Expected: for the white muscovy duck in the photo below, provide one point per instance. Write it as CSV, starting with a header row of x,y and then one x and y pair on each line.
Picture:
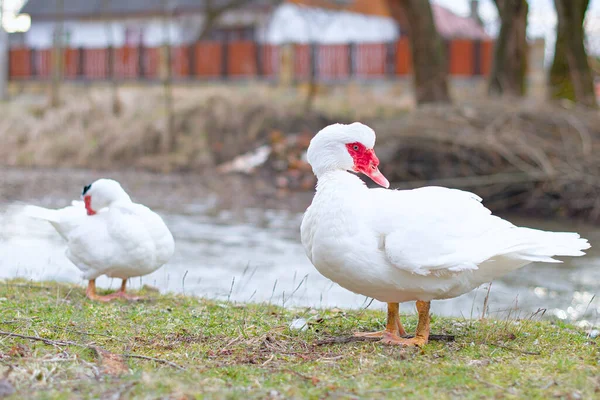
x,y
408,245
108,234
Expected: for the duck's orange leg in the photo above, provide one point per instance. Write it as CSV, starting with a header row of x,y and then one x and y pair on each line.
x,y
393,326
91,293
121,293
421,335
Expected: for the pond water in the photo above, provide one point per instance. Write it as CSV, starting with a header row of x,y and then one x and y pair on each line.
x,y
246,253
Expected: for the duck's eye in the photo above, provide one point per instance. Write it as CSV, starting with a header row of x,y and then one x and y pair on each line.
x,y
355,147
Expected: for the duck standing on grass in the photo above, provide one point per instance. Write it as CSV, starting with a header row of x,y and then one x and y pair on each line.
x,y
108,234
408,245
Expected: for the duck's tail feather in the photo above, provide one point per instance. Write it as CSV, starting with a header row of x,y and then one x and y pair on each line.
x,y
542,246
42,213
64,220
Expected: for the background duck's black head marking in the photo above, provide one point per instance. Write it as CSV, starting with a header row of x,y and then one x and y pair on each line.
x,y
86,189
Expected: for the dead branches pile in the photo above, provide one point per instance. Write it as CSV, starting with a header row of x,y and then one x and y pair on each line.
x,y
540,159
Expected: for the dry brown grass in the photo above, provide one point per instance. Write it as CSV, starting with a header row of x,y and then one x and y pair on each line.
x,y
212,124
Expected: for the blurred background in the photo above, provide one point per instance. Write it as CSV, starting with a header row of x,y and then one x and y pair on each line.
x,y
203,109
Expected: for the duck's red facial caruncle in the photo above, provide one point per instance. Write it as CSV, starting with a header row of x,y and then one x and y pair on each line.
x,y
366,162
88,205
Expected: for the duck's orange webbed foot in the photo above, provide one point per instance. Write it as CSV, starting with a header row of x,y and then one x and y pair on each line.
x,y
395,340
394,330
393,327
120,294
421,336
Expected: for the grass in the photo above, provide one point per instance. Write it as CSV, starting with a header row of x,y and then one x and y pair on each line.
x,y
198,348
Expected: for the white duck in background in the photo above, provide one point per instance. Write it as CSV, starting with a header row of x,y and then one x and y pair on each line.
x,y
408,245
108,234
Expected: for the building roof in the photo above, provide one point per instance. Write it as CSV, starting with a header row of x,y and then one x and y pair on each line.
x,y
48,10
451,25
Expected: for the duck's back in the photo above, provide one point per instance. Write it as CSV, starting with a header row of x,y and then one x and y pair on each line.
x,y
420,244
122,242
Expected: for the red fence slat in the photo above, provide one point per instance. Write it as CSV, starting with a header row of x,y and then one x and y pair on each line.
x,y
71,60
19,63
245,59
487,54
126,62
333,62
208,59
43,63
151,62
403,57
180,61
270,60
461,57
241,58
370,59
95,63
302,61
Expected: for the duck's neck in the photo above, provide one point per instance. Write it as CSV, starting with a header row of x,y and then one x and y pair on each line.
x,y
119,198
339,185
339,195
339,178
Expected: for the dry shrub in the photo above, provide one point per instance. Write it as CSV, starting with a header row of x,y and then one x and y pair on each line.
x,y
211,125
539,158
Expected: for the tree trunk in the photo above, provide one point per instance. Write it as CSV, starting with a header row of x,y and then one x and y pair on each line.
x,y
110,38
510,51
570,74
57,56
430,65
168,139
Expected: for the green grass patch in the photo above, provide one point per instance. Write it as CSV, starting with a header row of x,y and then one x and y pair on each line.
x,y
175,346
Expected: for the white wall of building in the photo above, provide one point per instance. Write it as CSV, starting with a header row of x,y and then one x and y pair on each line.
x,y
94,34
289,23
298,24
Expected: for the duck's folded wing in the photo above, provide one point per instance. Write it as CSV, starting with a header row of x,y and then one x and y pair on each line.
x,y
434,228
110,241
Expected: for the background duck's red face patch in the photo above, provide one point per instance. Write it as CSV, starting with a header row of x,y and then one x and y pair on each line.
x,y
366,162
88,205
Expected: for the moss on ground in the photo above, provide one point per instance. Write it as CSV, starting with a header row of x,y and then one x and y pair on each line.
x,y
199,348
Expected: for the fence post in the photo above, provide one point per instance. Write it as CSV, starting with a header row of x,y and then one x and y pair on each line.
x,y
141,59
286,67
314,62
33,70
390,58
351,59
80,62
192,60
448,50
110,62
477,70
224,59
258,48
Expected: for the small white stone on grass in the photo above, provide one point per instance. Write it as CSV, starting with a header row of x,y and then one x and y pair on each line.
x,y
299,324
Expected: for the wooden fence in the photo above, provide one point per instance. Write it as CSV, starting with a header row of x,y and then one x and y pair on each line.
x,y
245,59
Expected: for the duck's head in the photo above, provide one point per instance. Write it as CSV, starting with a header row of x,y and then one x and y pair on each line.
x,y
340,147
102,193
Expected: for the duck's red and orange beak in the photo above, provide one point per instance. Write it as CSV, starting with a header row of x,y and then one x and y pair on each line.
x,y
378,177
370,169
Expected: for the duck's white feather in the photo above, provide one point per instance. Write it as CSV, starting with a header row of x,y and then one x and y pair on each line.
x,y
121,241
421,244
